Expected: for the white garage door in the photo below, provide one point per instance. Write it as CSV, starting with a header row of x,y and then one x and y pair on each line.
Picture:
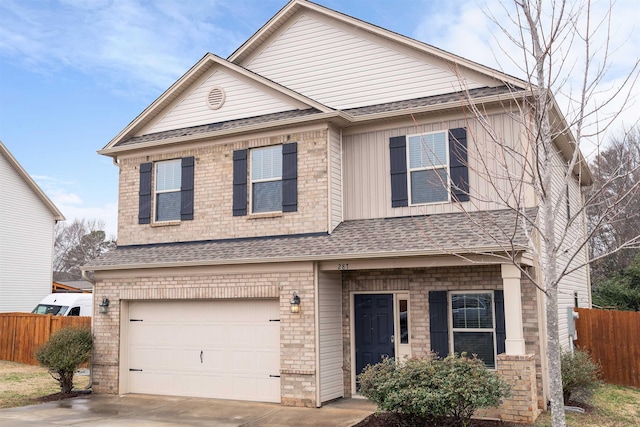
x,y
218,349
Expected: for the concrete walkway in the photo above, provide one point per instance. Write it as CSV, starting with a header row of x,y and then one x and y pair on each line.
x,y
168,411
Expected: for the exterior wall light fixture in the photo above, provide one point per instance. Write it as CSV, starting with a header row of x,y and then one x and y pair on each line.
x,y
104,305
295,303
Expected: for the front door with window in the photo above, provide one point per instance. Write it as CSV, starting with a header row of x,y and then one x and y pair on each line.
x,y
374,333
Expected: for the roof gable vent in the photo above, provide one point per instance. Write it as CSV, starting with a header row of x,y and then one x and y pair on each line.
x,y
216,97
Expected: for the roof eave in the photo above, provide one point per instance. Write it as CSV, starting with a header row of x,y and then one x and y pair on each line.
x,y
57,215
300,258
333,116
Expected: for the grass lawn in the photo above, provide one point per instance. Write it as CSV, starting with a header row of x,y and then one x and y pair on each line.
x,y
613,406
20,384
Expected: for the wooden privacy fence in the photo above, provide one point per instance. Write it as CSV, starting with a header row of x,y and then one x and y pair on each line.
x,y
22,333
613,339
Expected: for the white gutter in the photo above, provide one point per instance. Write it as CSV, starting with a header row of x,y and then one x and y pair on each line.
x,y
316,296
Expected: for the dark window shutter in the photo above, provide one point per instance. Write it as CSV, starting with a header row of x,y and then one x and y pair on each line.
x,y
501,331
239,182
398,158
186,190
438,322
144,195
458,166
290,177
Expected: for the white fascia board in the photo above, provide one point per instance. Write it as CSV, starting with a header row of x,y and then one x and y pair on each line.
x,y
361,256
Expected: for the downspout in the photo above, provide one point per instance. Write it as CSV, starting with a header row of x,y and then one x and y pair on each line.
x,y
317,331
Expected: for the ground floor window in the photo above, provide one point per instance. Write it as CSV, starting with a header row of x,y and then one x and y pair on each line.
x,y
473,325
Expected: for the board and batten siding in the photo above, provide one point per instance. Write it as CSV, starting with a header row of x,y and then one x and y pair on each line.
x,y
577,281
330,332
342,69
366,168
242,100
26,243
335,178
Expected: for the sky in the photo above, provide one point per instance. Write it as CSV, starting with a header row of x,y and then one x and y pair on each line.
x,y
74,73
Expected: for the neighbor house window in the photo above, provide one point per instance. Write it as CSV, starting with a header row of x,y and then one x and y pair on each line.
x,y
473,325
266,179
428,168
167,190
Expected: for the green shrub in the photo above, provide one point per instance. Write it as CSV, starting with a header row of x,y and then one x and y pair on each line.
x,y
432,389
66,349
580,376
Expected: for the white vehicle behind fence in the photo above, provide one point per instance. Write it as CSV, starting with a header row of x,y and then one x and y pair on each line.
x,y
70,304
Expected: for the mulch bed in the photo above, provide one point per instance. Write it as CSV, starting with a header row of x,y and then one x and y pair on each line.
x,y
386,419
55,397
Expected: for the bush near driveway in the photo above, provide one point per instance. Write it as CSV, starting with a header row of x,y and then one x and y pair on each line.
x,y
431,389
65,351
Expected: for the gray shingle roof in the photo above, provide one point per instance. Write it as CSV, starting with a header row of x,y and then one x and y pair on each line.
x,y
434,234
356,112
432,100
230,124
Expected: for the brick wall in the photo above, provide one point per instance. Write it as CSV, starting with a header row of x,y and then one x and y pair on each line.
x,y
419,282
297,356
213,189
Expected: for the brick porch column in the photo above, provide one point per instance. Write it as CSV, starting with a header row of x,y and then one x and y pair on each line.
x,y
514,344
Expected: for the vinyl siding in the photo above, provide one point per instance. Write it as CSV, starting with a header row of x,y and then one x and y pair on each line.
x,y
242,100
26,243
335,178
330,329
577,281
366,168
342,69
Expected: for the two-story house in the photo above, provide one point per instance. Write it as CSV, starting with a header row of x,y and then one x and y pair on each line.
x,y
27,222
320,199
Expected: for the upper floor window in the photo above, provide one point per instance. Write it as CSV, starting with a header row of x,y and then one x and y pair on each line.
x,y
168,184
166,188
266,179
428,168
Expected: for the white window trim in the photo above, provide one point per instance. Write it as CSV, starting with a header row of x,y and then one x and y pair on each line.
x,y
446,167
493,319
156,192
257,181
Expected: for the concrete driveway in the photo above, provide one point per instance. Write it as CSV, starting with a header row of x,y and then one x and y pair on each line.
x,y
167,411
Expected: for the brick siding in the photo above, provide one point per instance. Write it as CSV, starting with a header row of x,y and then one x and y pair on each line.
x,y
297,351
213,187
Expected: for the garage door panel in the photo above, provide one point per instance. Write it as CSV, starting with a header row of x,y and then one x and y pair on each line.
x,y
221,349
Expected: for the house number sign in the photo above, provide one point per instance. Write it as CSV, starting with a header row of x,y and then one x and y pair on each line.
x,y
343,266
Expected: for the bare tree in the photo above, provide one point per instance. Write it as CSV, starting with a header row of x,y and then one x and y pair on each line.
x,y
542,160
619,166
76,244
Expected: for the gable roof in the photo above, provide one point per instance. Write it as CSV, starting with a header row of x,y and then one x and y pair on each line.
x,y
292,8
482,232
207,63
4,151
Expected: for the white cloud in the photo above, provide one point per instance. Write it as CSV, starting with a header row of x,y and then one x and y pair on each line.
x,y
73,206
143,46
468,29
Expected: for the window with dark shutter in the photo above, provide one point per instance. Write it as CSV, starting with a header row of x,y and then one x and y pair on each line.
x,y
458,164
144,195
398,160
186,205
501,330
240,182
438,322
290,177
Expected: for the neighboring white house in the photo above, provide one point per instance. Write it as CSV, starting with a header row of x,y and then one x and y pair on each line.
x,y
27,222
